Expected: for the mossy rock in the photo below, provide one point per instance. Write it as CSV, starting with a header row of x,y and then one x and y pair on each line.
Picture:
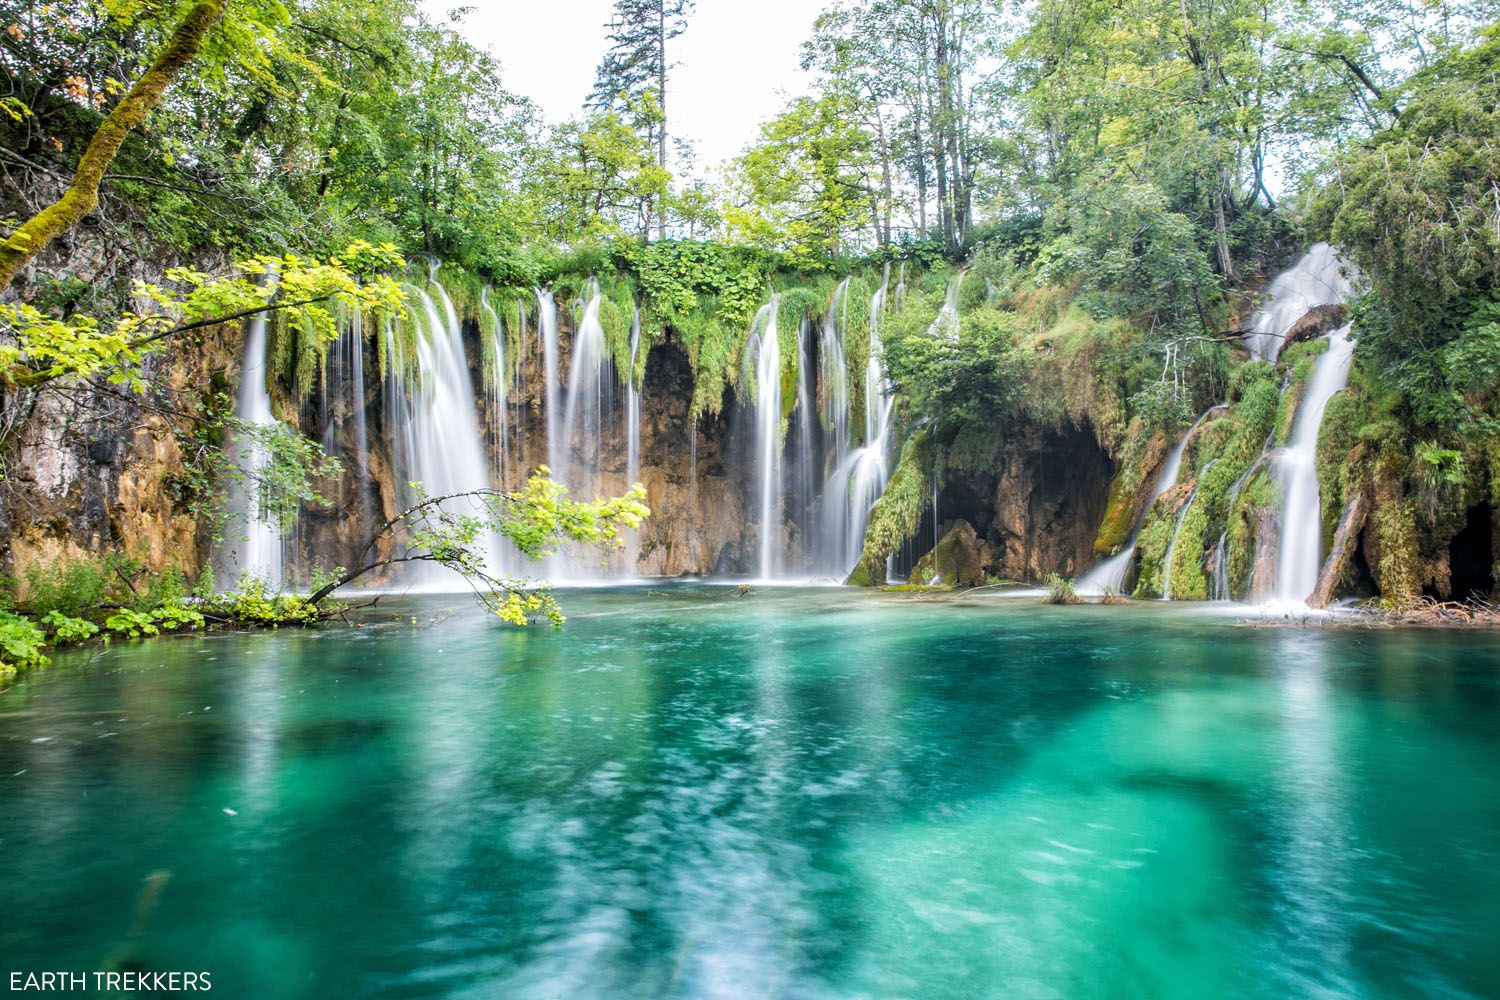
x,y
1126,494
956,560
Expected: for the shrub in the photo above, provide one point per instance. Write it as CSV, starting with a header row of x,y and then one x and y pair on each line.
x,y
1060,590
21,644
67,629
70,587
133,623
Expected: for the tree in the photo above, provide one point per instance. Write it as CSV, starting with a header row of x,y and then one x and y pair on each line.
x,y
45,349
82,194
805,186
598,180
633,74
917,61
1416,210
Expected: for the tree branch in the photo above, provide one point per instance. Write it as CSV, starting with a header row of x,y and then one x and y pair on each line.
x,y
82,194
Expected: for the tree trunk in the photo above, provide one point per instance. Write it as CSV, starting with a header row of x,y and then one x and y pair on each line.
x,y
661,134
82,194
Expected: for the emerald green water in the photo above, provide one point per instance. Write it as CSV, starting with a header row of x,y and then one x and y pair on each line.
x,y
794,794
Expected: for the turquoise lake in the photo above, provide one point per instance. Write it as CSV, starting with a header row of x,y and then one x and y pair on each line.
x,y
795,793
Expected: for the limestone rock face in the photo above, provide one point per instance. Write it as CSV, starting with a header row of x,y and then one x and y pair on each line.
x,y
958,560
93,473
1267,528
1041,508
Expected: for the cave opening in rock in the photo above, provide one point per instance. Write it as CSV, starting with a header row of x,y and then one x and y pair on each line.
x,y
1471,555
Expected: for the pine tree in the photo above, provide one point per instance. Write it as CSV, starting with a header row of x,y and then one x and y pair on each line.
x,y
633,73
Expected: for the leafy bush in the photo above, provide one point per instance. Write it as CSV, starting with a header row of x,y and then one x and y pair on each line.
x,y
174,616
67,629
21,644
132,623
253,602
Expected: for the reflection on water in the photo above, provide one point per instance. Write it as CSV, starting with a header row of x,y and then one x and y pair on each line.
x,y
809,794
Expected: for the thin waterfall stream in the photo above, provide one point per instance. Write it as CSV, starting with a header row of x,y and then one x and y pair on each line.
x,y
1302,525
256,552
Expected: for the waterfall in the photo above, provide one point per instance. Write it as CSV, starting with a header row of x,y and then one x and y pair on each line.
x,y
763,356
833,371
346,367
1301,522
1314,280
499,394
1219,578
582,428
431,407
547,322
946,324
258,552
861,474
633,437
805,465
1109,576
633,407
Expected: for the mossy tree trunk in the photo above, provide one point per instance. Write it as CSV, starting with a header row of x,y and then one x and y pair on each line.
x,y
82,194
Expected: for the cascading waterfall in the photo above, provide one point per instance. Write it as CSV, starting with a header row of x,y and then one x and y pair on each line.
x,y
633,436
633,406
346,367
546,306
833,371
1316,279
804,423
860,475
583,414
257,552
1109,576
947,323
763,356
435,425
499,393
578,455
1301,552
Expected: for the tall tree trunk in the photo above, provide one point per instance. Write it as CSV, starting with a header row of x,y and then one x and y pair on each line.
x,y
661,135
1221,232
82,194
883,229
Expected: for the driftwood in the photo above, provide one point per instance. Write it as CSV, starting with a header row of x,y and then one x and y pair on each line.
x,y
1351,523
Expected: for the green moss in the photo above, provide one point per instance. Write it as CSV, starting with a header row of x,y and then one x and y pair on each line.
x,y
465,289
1259,491
1077,367
1224,451
1121,512
1151,549
1189,573
1397,569
714,350
898,513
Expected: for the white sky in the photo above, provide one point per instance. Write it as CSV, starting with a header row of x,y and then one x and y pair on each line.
x,y
736,61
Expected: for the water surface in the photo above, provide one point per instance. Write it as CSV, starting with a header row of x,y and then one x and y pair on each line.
x,y
791,794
